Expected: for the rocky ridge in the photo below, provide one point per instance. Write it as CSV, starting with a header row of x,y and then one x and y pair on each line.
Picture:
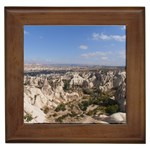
x,y
76,97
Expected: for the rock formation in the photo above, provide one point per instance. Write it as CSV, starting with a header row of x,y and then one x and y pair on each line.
x,y
93,96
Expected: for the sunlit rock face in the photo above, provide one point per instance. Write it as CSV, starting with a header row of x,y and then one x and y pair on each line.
x,y
76,96
114,118
120,94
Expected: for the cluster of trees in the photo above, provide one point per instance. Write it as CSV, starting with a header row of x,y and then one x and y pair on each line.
x,y
102,100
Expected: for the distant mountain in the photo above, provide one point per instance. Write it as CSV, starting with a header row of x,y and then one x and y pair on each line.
x,y
74,65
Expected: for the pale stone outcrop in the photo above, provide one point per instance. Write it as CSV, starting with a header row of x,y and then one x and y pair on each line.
x,y
120,96
76,80
116,118
36,114
44,93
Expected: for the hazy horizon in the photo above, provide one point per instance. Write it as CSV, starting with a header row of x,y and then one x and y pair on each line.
x,y
83,45
77,64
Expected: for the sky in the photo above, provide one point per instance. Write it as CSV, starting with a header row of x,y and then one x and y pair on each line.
x,y
89,45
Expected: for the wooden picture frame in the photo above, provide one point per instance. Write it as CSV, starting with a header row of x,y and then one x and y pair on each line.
x,y
17,131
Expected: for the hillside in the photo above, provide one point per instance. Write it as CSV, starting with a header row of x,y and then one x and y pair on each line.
x,y
74,94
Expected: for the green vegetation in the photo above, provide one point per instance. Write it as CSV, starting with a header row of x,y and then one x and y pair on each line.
x,y
112,109
60,119
28,117
98,110
45,109
87,91
102,100
84,104
66,85
60,107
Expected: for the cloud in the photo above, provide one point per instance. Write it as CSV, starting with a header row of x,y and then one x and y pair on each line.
x,y
26,32
96,54
123,27
84,47
102,36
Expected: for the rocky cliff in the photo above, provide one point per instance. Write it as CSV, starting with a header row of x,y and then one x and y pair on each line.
x,y
75,97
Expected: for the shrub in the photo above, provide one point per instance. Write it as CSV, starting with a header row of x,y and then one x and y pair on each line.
x,y
45,109
83,105
109,102
112,109
60,107
85,97
66,85
54,115
87,91
60,119
28,117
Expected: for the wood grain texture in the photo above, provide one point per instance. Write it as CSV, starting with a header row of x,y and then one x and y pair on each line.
x,y
17,131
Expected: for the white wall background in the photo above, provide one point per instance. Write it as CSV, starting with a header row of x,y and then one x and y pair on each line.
x,y
68,3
